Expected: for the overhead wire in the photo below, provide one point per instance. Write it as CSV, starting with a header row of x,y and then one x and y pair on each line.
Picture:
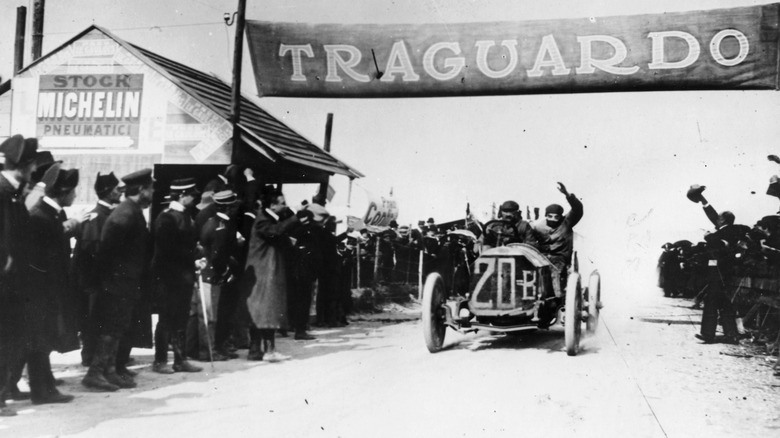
x,y
148,27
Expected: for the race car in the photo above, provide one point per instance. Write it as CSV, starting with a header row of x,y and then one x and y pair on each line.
x,y
511,289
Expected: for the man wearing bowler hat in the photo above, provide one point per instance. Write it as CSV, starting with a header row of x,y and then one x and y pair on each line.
x,y
173,270
721,244
51,300
19,163
36,187
86,261
124,254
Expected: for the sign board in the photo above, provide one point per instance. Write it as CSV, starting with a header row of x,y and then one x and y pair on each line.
x,y
733,48
95,96
76,108
381,211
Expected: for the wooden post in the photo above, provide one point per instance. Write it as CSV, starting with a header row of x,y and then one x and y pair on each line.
x,y
358,262
328,130
21,25
420,275
37,28
376,259
238,51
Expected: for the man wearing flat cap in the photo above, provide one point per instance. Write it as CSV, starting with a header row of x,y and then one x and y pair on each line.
x,y
173,271
125,253
720,250
14,230
87,269
509,228
51,300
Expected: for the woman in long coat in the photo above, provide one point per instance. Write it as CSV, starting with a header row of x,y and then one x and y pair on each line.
x,y
266,276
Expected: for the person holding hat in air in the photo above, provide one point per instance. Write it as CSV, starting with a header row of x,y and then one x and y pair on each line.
x,y
265,279
173,266
19,163
86,263
51,300
124,254
509,228
721,244
556,231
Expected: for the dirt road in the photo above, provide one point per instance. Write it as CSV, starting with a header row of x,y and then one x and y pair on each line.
x,y
641,375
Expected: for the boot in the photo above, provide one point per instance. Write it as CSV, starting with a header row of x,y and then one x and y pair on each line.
x,y
110,370
180,363
95,378
123,358
255,352
6,411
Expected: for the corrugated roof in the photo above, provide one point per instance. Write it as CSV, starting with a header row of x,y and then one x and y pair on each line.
x,y
279,140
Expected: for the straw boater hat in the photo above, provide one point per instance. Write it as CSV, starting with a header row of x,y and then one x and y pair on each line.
x,y
225,197
184,186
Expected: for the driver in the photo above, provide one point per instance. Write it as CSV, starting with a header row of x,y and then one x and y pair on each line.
x,y
510,228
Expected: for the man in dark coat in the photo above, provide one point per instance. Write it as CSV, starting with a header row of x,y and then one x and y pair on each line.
x,y
265,279
221,249
51,301
510,228
87,266
306,264
720,250
124,253
20,157
173,270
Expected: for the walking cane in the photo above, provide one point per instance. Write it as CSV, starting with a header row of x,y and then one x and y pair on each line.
x,y
205,318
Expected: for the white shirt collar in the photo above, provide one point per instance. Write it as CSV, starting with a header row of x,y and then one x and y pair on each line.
x,y
53,203
176,206
223,216
107,205
11,178
272,214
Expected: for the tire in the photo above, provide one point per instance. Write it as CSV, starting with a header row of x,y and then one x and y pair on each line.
x,y
433,312
594,301
572,324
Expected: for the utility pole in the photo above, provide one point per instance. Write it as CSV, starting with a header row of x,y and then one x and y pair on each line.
x,y
328,130
238,51
37,29
21,26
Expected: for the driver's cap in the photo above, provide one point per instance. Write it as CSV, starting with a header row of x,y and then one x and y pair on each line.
x,y
510,206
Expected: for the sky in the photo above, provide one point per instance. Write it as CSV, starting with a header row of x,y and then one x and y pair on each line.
x,y
630,157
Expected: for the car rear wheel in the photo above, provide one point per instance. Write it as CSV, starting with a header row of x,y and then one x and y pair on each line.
x,y
573,315
594,301
433,316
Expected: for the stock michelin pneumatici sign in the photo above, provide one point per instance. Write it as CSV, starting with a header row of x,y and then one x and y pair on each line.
x,y
718,49
99,98
89,106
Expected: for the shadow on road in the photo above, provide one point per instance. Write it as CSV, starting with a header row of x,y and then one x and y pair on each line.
x,y
551,340
91,408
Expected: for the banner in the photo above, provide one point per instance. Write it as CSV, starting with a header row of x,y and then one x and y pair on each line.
x,y
89,110
717,49
381,211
